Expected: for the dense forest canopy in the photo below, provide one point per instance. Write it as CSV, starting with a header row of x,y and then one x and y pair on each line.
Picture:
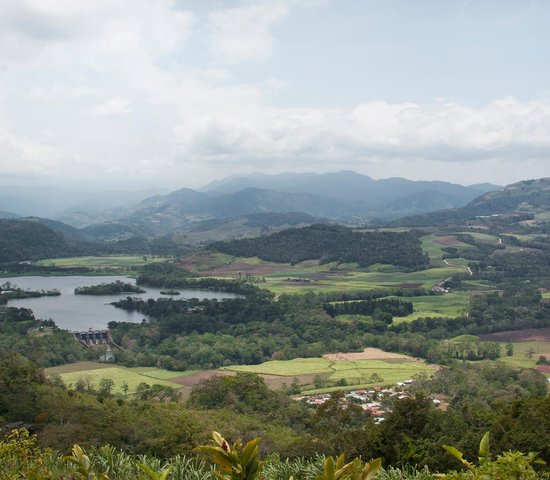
x,y
330,243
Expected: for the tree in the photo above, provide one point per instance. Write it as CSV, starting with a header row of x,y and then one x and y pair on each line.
x,y
105,386
509,349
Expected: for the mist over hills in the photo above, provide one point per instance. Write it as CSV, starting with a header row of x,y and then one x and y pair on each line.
x,y
343,197
183,218
79,204
346,197
529,199
346,185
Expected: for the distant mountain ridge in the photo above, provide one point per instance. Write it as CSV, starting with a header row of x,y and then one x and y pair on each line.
x,y
343,196
529,197
346,185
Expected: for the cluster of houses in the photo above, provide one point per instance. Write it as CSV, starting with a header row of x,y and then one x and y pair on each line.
x,y
375,400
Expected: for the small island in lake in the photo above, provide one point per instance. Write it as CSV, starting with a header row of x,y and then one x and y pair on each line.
x,y
113,288
10,291
169,292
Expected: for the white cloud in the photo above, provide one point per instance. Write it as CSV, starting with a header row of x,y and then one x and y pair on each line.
x,y
244,33
107,58
113,106
446,132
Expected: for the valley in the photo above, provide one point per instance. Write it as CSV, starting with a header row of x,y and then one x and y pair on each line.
x,y
295,309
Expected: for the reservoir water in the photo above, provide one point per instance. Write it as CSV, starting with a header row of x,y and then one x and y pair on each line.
x,y
80,312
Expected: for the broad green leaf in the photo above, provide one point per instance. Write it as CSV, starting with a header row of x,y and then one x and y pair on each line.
x,y
484,449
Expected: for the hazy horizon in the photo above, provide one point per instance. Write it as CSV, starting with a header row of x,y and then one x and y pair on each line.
x,y
177,93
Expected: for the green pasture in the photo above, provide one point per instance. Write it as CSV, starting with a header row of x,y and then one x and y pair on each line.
x,y
447,305
434,250
297,366
482,237
430,247
522,237
283,278
391,373
357,373
477,285
121,261
459,261
94,372
355,281
545,295
525,354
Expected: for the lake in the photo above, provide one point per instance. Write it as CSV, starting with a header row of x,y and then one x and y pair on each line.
x,y
80,312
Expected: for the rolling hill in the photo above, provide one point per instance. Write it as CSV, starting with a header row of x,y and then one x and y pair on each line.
x,y
523,200
345,197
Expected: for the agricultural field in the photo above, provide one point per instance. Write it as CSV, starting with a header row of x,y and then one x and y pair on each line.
x,y
93,372
448,305
528,346
433,245
482,237
354,370
310,275
120,261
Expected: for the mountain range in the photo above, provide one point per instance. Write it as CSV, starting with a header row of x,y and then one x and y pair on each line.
x,y
183,218
344,197
529,199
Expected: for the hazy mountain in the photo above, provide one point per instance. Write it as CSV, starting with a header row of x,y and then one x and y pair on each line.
x,y
531,197
65,201
348,186
342,196
184,209
247,226
8,215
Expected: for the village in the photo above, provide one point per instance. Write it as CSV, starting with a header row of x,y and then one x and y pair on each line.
x,y
376,400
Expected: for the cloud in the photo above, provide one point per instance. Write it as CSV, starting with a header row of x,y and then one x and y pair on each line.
x,y
113,106
192,117
505,128
244,33
89,33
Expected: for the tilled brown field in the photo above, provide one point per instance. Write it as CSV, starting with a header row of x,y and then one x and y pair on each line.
x,y
194,379
366,354
527,335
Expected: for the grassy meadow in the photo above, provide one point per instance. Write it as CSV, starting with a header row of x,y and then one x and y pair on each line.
x,y
310,275
356,373
448,305
120,261
93,372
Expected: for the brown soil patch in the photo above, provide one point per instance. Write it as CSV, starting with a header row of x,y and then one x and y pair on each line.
x,y
448,240
276,382
366,354
243,267
527,335
191,380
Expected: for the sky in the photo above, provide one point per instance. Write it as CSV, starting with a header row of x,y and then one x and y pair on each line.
x,y
174,93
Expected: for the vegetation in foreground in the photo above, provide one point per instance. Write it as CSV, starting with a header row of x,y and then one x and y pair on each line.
x,y
20,457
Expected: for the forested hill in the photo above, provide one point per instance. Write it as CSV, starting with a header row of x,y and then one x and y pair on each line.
x,y
29,240
331,243
34,239
529,197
